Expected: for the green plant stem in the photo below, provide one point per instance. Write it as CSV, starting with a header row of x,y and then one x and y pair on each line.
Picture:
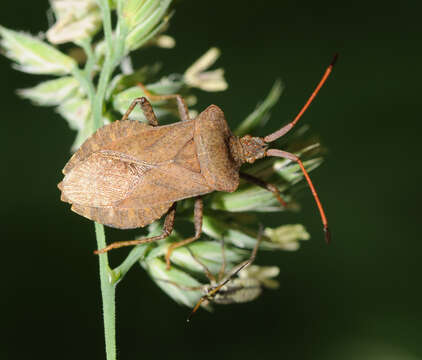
x,y
97,111
91,58
86,84
108,291
115,50
106,278
106,274
106,16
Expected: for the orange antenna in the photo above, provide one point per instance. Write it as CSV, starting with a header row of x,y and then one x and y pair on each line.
x,y
201,300
287,155
279,133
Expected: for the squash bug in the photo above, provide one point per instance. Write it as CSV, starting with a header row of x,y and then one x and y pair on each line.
x,y
129,174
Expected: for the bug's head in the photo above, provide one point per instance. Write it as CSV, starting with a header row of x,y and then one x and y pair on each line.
x,y
253,148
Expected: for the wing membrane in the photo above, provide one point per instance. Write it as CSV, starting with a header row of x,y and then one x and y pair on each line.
x,y
128,174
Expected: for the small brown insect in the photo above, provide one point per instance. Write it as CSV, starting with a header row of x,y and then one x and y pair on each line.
x,y
129,174
225,288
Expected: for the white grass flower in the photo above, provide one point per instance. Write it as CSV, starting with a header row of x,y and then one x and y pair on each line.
x,y
51,92
287,236
75,8
263,274
165,42
195,76
33,55
76,111
72,29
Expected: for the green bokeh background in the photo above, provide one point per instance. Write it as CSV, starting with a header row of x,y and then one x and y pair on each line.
x,y
358,298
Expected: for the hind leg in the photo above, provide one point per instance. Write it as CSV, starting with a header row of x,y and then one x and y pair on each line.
x,y
198,214
146,108
167,229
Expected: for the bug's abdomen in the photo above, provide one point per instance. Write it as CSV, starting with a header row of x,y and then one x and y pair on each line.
x,y
238,291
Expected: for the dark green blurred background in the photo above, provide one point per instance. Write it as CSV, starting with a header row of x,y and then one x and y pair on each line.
x,y
358,298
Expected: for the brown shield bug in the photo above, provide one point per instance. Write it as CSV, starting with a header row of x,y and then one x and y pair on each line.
x,y
129,174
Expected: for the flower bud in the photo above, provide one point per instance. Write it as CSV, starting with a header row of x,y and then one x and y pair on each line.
x,y
143,20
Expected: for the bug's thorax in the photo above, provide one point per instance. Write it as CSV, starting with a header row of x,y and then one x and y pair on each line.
x,y
247,148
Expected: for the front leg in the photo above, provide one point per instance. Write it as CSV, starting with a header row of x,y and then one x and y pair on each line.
x,y
146,108
267,186
181,104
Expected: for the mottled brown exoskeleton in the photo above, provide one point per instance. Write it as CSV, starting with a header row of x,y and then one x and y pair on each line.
x,y
129,174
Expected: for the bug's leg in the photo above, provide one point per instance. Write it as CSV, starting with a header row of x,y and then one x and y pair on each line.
x,y
198,214
181,105
180,286
245,263
270,187
146,108
207,271
167,229
223,261
293,157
